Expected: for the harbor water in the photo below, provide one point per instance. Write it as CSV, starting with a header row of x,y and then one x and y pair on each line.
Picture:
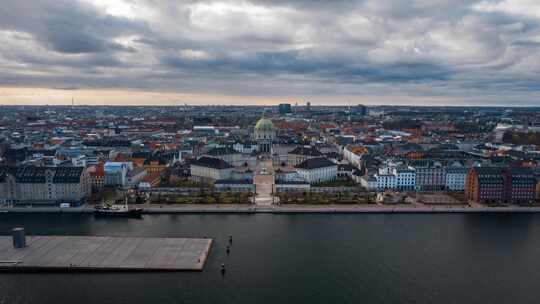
x,y
304,258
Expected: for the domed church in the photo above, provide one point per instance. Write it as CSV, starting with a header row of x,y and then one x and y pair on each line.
x,y
264,134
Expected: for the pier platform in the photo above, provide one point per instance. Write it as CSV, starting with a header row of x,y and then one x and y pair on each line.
x,y
96,253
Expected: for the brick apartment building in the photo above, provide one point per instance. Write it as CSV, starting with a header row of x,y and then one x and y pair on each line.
x,y
500,185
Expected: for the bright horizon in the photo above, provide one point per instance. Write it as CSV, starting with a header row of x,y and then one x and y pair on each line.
x,y
117,97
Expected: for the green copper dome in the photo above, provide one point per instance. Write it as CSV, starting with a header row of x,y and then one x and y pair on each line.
x,y
264,124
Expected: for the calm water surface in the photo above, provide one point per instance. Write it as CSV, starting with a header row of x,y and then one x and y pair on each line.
x,y
368,258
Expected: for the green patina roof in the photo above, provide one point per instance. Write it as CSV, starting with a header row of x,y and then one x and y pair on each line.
x,y
264,124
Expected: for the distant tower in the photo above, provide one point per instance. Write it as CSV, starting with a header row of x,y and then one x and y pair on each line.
x,y
72,103
284,108
361,110
349,111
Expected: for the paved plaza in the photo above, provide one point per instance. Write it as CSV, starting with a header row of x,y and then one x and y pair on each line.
x,y
264,182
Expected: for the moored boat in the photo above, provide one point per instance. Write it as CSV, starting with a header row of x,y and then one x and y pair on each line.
x,y
108,210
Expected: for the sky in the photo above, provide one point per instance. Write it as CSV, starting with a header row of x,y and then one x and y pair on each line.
x,y
425,52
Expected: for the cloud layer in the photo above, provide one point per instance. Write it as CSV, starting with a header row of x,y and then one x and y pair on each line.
x,y
486,51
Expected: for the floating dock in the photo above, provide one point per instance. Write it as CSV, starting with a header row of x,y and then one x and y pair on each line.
x,y
95,253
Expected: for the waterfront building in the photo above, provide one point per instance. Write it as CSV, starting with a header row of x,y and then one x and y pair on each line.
x,y
395,176
430,178
405,178
485,184
317,170
500,185
44,185
386,181
209,169
97,176
455,178
520,185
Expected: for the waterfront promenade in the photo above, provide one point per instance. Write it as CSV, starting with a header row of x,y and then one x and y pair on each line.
x,y
283,209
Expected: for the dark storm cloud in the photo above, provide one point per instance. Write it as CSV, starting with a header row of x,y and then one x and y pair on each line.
x,y
275,63
272,47
66,26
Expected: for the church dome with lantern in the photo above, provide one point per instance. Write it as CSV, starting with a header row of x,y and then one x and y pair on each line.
x,y
264,134
264,124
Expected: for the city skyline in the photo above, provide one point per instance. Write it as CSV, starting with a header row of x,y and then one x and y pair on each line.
x,y
267,52
269,151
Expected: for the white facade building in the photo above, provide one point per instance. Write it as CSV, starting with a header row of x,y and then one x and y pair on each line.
x,y
44,185
317,170
386,181
231,156
116,173
209,169
396,177
406,178
455,178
